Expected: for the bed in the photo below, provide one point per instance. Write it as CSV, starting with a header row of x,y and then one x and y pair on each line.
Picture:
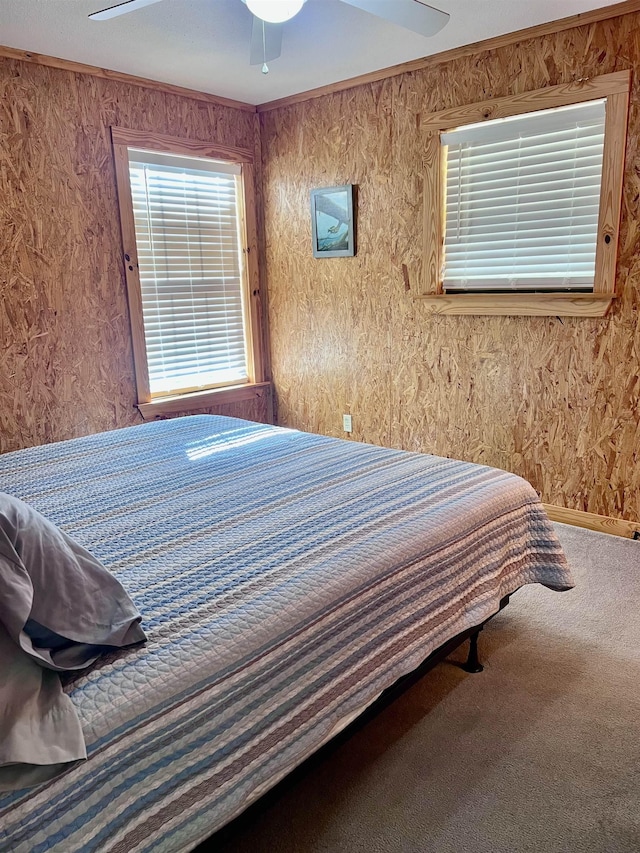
x,y
285,580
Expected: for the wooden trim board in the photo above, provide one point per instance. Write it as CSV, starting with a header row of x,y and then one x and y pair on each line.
x,y
592,521
617,83
121,77
178,145
517,304
132,277
613,160
580,20
203,400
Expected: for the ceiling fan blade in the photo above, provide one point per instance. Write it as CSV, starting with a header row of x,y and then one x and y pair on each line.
x,y
266,44
411,14
120,9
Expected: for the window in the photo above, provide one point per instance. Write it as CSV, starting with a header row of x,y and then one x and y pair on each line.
x,y
522,207
522,200
186,233
189,259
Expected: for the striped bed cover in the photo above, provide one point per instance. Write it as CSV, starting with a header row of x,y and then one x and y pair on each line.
x,y
284,580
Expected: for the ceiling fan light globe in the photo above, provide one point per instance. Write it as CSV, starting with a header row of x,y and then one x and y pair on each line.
x,y
275,11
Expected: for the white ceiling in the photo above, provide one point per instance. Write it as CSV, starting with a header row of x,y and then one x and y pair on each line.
x,y
204,44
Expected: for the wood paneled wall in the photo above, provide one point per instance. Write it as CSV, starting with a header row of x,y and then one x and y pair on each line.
x,y
554,400
66,364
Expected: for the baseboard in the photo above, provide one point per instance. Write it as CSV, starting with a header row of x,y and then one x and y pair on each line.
x,y
601,523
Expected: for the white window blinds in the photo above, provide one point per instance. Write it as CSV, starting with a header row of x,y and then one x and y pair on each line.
x,y
189,255
522,201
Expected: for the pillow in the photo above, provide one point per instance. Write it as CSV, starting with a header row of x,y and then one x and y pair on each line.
x,y
59,609
57,602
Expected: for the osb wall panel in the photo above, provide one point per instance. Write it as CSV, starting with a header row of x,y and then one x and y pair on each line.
x,y
66,364
554,400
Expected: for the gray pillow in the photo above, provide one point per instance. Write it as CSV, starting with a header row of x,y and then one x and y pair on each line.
x,y
59,609
57,602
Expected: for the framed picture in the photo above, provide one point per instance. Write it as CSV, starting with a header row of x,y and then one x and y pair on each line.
x,y
332,222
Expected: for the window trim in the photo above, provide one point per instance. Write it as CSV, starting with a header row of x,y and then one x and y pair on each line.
x,y
196,400
123,139
615,88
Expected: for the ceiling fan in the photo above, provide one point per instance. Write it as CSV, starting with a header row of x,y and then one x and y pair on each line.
x,y
269,17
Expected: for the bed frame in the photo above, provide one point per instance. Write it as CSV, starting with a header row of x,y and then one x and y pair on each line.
x,y
471,665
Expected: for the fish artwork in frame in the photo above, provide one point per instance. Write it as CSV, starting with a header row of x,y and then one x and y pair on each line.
x,y
332,222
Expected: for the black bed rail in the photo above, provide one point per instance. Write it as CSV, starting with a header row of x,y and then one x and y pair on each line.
x,y
472,665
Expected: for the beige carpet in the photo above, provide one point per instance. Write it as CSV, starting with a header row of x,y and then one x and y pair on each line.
x,y
539,753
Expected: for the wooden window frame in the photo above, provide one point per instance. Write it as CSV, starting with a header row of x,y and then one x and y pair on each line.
x,y
123,139
615,88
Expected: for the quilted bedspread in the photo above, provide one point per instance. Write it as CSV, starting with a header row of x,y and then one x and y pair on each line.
x,y
284,581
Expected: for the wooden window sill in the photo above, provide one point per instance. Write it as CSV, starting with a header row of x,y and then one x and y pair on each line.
x,y
520,304
202,399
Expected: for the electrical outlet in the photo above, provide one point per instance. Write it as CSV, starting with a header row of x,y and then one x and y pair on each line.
x,y
346,423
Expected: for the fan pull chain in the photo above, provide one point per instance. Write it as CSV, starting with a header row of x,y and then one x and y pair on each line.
x,y
265,67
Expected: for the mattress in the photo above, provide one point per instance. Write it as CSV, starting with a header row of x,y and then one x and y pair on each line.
x,y
284,580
